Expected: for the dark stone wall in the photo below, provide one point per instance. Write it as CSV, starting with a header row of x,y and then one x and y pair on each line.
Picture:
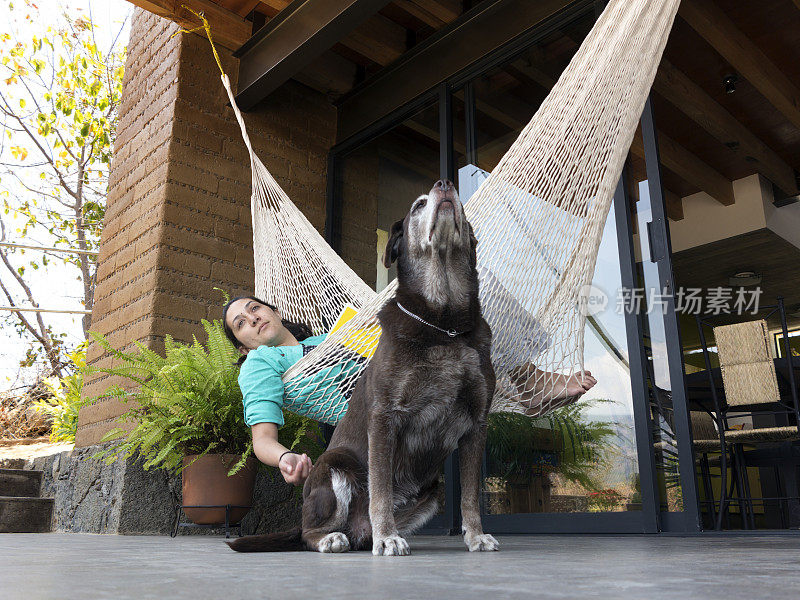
x,y
121,497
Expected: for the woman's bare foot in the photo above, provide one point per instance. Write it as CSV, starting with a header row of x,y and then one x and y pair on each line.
x,y
538,390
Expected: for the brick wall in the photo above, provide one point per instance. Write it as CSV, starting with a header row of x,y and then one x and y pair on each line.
x,y
178,217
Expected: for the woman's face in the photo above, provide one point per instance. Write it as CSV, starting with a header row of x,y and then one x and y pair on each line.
x,y
255,324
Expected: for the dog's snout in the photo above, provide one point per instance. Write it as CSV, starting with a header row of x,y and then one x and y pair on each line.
x,y
443,185
442,189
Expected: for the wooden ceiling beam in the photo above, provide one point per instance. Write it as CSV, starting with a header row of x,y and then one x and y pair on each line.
x,y
278,5
534,74
491,111
689,167
228,28
714,26
378,39
674,204
432,134
330,74
422,14
446,11
502,107
243,7
690,98
420,159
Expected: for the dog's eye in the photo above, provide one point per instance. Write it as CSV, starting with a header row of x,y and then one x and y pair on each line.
x,y
420,203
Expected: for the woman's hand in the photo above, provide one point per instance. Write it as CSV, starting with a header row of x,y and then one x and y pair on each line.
x,y
295,467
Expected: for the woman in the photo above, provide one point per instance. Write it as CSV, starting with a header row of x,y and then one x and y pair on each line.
x,y
270,345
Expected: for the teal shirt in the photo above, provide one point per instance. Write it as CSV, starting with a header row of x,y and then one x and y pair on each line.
x,y
321,396
260,380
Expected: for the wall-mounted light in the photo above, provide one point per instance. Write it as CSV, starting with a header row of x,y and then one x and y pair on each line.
x,y
744,279
729,81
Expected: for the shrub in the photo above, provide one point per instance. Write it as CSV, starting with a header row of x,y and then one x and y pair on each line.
x,y
63,406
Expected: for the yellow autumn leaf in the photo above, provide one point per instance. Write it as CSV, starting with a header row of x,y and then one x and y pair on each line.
x,y
19,152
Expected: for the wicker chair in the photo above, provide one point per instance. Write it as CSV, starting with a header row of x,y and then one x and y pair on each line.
x,y
750,382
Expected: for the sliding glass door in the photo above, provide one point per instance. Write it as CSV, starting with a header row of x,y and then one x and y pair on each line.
x,y
619,460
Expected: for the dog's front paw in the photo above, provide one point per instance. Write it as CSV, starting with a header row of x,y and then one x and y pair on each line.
x,y
482,542
334,542
391,545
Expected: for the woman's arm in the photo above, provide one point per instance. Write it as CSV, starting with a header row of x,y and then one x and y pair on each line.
x,y
267,448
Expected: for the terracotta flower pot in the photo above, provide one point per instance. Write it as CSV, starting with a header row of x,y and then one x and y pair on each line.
x,y
206,482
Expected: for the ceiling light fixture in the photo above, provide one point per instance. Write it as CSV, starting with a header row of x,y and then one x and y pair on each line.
x,y
729,81
744,279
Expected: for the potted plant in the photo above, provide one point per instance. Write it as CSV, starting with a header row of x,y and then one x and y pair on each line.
x,y
564,442
186,416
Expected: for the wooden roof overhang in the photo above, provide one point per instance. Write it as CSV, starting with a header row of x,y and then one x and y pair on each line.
x,y
371,57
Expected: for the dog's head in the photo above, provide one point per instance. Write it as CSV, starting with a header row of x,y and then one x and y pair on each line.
x,y
435,224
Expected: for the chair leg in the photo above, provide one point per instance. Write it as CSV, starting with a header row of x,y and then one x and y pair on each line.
x,y
729,501
748,495
727,493
733,489
740,500
705,473
723,497
783,506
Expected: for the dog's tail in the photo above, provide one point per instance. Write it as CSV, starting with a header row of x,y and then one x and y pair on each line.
x,y
283,541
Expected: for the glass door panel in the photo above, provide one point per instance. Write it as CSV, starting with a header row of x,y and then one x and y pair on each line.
x,y
580,458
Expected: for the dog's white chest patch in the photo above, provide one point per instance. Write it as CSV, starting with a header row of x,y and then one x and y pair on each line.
x,y
343,492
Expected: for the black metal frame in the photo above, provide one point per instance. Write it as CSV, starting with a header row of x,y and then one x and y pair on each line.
x,y
721,417
637,360
296,36
480,36
661,247
227,524
649,520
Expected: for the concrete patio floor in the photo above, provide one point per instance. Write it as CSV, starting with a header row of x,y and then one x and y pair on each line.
x,y
85,566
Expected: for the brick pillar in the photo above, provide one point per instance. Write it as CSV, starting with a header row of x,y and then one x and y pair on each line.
x,y
178,217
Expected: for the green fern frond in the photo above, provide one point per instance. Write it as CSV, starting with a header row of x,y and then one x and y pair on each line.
x,y
187,402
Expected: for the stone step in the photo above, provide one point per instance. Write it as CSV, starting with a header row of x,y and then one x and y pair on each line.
x,y
25,515
12,463
20,483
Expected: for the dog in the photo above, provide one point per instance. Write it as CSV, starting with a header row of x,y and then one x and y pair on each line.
x,y
426,392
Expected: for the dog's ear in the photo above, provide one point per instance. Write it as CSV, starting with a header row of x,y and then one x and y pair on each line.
x,y
393,245
473,243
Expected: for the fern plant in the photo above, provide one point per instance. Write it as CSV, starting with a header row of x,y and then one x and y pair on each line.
x,y
187,402
514,443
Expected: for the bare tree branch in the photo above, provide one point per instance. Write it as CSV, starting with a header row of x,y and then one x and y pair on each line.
x,y
46,156
42,335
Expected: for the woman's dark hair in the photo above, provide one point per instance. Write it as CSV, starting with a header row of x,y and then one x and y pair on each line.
x,y
300,331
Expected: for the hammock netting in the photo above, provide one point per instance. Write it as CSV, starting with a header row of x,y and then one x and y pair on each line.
x,y
538,218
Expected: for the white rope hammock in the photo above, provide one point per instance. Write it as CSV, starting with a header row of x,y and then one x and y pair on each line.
x,y
538,218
